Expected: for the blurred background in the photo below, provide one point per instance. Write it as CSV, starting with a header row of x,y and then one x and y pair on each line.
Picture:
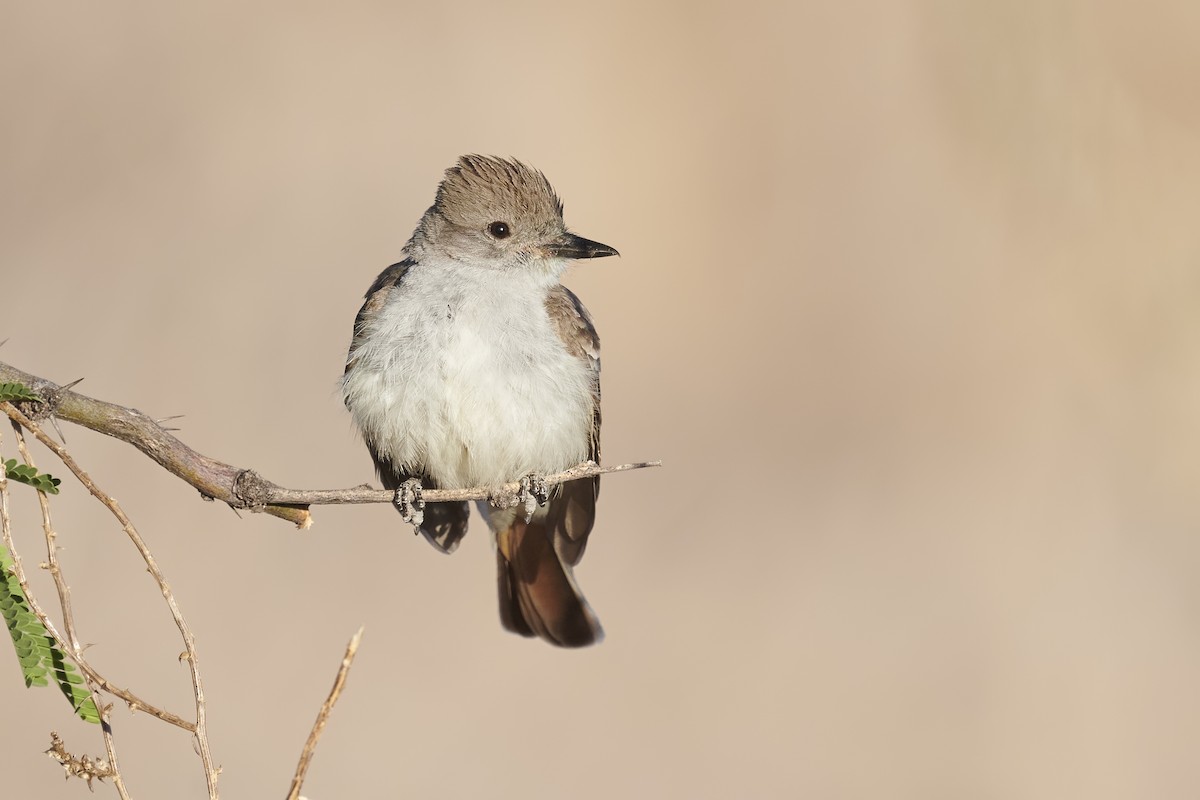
x,y
906,304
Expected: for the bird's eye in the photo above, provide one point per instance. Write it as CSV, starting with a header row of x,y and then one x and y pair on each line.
x,y
500,230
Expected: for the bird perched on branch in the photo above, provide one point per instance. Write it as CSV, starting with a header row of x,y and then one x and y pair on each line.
x,y
472,366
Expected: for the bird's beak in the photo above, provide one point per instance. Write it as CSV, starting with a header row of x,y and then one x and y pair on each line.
x,y
571,246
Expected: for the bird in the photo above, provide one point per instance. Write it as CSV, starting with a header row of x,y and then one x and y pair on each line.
x,y
471,365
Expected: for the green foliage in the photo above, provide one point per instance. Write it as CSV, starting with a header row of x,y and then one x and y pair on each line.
x,y
16,391
41,659
42,481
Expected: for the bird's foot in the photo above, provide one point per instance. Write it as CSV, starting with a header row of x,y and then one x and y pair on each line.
x,y
409,502
534,492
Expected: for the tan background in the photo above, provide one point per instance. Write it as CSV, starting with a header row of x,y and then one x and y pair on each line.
x,y
907,304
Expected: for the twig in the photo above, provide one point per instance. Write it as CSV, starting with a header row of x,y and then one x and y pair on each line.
x,y
366,494
239,488
323,716
200,728
110,744
133,701
211,477
113,768
64,592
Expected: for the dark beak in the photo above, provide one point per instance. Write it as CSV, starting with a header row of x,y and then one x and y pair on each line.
x,y
571,246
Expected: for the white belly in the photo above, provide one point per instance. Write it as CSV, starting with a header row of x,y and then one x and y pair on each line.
x,y
473,388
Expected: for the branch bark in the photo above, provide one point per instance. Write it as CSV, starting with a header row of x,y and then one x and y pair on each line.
x,y
238,487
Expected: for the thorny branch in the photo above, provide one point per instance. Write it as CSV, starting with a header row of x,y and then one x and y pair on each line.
x,y
237,487
199,728
133,701
242,488
81,768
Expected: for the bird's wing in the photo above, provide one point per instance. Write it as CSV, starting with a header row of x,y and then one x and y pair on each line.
x,y
376,296
573,508
445,523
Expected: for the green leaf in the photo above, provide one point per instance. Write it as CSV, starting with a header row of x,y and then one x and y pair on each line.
x,y
37,652
16,391
23,473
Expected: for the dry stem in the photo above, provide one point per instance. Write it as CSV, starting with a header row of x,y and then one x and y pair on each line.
x,y
310,746
241,488
113,768
199,728
133,701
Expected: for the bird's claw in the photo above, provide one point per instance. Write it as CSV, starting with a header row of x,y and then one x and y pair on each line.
x,y
534,492
410,503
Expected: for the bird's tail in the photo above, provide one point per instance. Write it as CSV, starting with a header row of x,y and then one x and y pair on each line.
x,y
538,593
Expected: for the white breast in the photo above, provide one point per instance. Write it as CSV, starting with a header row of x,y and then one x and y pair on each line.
x,y
463,377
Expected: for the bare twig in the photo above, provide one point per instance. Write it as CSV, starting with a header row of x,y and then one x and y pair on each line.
x,y
200,728
241,488
310,746
366,494
64,592
112,767
211,477
134,702
110,745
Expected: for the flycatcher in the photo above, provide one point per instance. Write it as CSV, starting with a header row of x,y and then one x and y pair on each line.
x,y
472,366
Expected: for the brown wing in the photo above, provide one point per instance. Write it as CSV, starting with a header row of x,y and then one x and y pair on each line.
x,y
376,296
445,523
573,508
